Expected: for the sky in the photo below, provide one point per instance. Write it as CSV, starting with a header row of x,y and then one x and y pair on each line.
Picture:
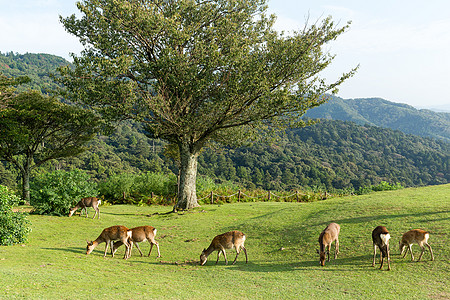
x,y
401,46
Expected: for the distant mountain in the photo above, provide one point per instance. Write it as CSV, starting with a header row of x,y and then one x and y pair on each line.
x,y
383,113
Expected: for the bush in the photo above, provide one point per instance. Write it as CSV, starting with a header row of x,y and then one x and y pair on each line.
x,y
115,187
382,186
138,189
14,227
56,192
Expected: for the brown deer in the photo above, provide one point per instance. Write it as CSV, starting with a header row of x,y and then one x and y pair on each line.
x,y
380,238
229,240
140,234
326,238
84,204
418,236
108,236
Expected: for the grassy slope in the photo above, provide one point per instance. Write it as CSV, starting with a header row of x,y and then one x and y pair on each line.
x,y
54,265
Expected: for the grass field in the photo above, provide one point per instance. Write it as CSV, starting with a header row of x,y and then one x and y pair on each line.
x,y
281,244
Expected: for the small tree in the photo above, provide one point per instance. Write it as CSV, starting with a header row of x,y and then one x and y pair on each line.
x,y
35,129
14,227
197,72
56,192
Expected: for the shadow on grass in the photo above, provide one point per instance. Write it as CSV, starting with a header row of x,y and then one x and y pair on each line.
x,y
70,249
373,218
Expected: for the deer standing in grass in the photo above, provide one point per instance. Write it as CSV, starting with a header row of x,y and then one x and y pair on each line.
x,y
140,234
380,238
84,204
326,238
108,236
229,240
418,236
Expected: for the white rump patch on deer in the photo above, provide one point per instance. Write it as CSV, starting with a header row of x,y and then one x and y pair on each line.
x,y
385,238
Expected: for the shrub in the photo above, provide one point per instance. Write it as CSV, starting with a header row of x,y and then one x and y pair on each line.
x,y
138,189
382,186
115,187
14,227
56,192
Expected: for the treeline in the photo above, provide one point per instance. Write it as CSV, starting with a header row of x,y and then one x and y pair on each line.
x,y
331,155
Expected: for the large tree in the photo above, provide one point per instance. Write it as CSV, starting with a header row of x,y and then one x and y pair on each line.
x,y
35,128
197,71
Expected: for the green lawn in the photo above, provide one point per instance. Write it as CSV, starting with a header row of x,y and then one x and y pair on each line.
x,y
281,244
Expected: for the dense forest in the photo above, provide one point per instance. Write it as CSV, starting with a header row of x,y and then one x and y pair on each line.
x,y
329,155
332,155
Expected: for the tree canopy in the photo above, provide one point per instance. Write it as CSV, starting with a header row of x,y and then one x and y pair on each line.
x,y
36,128
197,72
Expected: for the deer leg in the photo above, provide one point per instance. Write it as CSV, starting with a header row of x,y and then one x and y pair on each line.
x,y
137,246
410,250
381,259
106,249
85,209
245,252
374,254
157,248
225,255
151,247
421,253
388,258
431,251
218,255
336,250
96,211
328,251
406,252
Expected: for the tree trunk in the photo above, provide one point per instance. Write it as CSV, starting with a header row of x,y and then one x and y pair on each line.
x,y
187,194
26,170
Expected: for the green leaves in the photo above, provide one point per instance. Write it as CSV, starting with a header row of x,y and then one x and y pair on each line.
x,y
194,69
56,192
13,225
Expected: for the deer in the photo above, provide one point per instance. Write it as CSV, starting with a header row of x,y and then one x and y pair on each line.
x,y
140,234
228,240
326,238
418,236
380,238
108,236
84,204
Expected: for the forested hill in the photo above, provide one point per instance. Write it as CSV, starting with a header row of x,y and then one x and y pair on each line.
x,y
332,154
329,155
36,66
383,113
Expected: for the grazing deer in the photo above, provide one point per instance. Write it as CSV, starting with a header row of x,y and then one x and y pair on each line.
x,y
380,238
418,236
228,240
84,204
326,238
108,236
140,234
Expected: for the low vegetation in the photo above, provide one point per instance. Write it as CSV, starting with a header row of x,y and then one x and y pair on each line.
x,y
282,239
